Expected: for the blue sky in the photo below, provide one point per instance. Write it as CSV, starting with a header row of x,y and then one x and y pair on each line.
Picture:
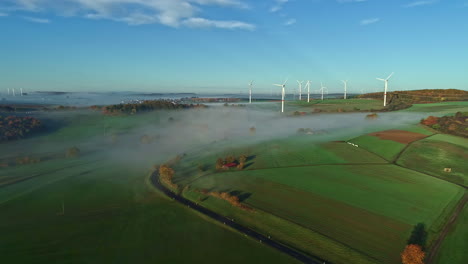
x,y
219,45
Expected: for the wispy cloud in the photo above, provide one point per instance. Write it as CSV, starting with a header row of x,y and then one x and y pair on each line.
x,y
173,13
278,5
202,22
369,21
37,20
290,22
3,14
420,3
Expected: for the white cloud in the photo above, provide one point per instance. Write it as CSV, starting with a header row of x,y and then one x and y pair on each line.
x,y
369,21
290,22
202,22
37,20
420,3
3,14
278,5
173,13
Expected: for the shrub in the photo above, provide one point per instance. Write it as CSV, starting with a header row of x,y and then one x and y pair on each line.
x,y
73,152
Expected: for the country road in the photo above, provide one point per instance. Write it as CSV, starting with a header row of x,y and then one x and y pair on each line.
x,y
242,229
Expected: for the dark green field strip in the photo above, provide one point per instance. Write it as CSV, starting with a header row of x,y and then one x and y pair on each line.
x,y
357,228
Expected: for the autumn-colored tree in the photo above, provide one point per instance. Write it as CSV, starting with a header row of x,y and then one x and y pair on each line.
x,y
73,152
219,163
166,174
242,158
412,254
230,159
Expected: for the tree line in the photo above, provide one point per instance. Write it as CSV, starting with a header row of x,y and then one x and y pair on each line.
x,y
17,127
456,125
146,106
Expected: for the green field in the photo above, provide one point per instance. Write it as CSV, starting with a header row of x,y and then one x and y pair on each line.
x,y
316,193
388,149
111,214
434,154
452,249
345,202
334,105
440,108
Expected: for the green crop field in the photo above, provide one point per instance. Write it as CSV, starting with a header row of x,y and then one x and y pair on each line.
x,y
333,105
294,151
452,249
312,192
111,214
432,156
345,202
462,142
440,108
388,149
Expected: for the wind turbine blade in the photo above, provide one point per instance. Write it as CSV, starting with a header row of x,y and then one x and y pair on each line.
x,y
380,79
388,78
286,81
279,85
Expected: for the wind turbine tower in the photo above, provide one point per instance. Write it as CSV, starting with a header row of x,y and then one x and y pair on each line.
x,y
386,87
250,92
13,91
8,91
283,86
21,89
308,91
300,89
345,87
322,88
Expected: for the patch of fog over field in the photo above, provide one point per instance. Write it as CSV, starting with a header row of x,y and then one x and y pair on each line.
x,y
221,128
217,129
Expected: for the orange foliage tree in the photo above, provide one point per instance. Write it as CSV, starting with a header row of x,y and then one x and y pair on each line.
x,y
412,254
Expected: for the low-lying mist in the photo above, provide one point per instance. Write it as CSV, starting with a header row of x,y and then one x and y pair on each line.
x,y
155,137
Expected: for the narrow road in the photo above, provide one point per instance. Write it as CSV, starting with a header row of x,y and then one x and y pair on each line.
x,y
448,225
245,230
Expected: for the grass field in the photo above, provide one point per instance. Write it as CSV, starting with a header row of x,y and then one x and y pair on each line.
x,y
333,105
439,108
432,155
111,214
452,249
345,202
342,203
387,149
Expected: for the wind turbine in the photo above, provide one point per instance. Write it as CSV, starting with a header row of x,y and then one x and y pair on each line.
x,y
21,89
14,92
250,91
345,87
308,91
386,87
300,89
283,86
8,91
322,88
